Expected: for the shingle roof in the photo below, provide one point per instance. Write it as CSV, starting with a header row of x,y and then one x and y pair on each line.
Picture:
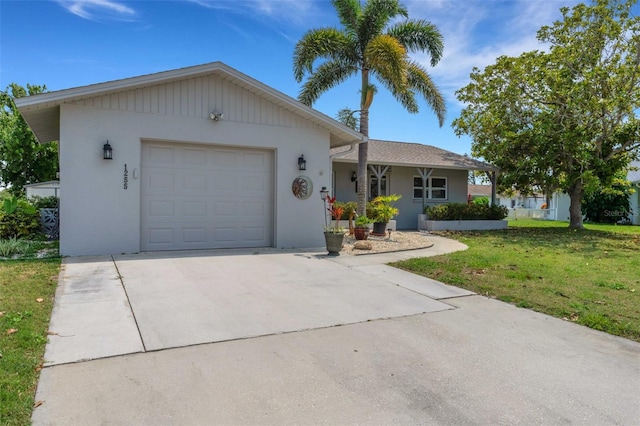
x,y
412,155
634,175
479,190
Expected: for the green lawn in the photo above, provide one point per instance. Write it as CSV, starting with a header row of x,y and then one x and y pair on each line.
x,y
27,288
591,277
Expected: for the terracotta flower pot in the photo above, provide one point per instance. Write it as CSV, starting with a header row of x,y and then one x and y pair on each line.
x,y
361,233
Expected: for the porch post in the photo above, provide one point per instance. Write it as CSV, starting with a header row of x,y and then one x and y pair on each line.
x,y
424,174
376,170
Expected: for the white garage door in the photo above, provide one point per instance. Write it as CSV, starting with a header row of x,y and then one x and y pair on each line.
x,y
199,196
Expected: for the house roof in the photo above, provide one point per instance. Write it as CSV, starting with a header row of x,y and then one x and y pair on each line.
x,y
51,183
479,190
634,175
42,112
411,155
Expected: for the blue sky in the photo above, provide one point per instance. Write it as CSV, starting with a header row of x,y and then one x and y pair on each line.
x,y
70,43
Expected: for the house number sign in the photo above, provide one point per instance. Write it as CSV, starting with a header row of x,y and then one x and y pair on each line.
x,y
126,177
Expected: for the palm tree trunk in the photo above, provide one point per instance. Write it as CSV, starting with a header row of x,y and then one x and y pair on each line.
x,y
363,148
363,151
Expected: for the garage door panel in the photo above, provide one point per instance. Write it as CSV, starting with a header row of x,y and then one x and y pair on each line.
x,y
162,156
195,158
254,209
194,235
194,209
254,233
223,182
161,235
255,161
161,181
205,197
225,159
161,208
194,181
226,208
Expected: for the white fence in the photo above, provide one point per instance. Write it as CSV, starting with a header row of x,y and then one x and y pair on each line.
x,y
519,213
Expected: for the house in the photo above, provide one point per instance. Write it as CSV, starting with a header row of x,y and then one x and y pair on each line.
x,y
480,191
192,158
424,175
514,200
43,189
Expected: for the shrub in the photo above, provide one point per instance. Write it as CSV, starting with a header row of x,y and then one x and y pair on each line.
x,y
347,208
383,208
363,221
483,201
44,202
461,211
18,219
13,246
609,205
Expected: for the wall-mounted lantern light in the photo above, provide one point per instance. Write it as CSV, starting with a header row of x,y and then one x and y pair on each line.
x,y
354,177
107,151
302,163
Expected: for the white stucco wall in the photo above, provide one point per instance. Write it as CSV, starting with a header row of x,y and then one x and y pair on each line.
x,y
98,216
401,182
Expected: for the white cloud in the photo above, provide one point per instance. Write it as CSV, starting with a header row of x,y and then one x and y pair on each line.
x,y
97,10
477,32
293,11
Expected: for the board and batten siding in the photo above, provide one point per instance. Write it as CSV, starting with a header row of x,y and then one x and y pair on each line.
x,y
99,216
198,97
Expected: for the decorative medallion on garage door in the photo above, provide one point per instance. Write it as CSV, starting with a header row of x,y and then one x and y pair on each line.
x,y
302,187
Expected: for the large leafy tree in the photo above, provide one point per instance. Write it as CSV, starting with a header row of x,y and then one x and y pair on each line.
x,y
371,44
22,159
565,118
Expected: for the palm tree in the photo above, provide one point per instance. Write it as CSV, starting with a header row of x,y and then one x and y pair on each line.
x,y
369,45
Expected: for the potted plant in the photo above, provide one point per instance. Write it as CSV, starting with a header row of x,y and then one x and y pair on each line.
x,y
383,211
334,235
361,230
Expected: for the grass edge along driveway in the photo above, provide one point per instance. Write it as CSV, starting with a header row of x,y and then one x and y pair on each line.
x,y
590,277
27,289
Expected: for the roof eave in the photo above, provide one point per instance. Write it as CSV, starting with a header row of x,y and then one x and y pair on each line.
x,y
44,107
488,168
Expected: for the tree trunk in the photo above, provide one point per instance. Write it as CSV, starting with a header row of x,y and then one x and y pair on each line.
x,y
363,148
575,208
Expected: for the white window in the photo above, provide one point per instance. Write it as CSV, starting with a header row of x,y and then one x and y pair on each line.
x,y
375,189
436,188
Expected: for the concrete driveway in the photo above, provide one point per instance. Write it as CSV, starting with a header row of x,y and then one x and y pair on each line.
x,y
272,337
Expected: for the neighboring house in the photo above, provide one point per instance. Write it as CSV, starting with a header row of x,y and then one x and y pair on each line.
x,y
480,191
424,175
203,157
518,200
43,189
634,199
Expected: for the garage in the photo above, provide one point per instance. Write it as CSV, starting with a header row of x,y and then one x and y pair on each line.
x,y
201,157
201,196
